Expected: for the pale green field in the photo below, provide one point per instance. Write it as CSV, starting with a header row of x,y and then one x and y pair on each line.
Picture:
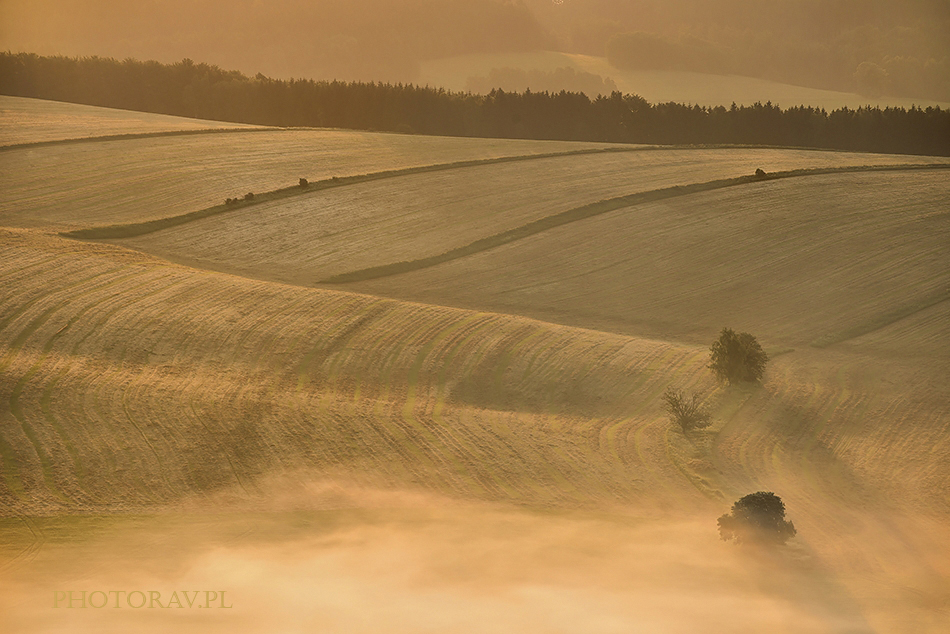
x,y
24,120
657,86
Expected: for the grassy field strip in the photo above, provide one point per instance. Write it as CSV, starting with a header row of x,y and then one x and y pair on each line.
x,y
47,395
827,433
121,409
135,180
394,339
391,335
885,319
24,121
925,330
645,423
14,275
644,372
553,458
128,136
135,229
583,213
649,269
307,238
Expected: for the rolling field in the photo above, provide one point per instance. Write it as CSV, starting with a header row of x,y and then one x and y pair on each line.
x,y
24,120
478,443
315,236
815,260
133,180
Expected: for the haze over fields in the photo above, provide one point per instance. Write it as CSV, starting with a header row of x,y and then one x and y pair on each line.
x,y
423,393
843,52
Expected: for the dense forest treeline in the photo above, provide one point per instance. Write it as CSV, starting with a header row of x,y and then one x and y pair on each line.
x,y
208,92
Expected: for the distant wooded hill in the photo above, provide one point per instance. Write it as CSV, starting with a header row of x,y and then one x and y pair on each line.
x,y
208,92
874,47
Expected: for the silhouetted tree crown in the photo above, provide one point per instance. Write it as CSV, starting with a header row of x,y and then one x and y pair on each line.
x,y
757,518
737,357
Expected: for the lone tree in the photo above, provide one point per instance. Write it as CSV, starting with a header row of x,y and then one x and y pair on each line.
x,y
737,357
688,413
757,518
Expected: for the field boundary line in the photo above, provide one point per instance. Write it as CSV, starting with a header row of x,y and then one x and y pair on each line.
x,y
883,320
591,210
135,229
129,136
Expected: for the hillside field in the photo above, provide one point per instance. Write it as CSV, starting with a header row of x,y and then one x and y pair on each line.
x,y
474,442
25,120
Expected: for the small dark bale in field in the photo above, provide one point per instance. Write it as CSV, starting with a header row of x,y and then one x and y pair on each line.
x,y
757,518
759,173
249,196
304,182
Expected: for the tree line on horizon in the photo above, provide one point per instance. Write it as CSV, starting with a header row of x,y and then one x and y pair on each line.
x,y
205,91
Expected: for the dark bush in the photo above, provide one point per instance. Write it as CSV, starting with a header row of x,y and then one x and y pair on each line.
x,y
759,172
757,518
688,413
304,182
737,357
249,196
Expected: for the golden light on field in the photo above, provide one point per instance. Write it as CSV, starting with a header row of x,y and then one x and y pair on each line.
x,y
404,383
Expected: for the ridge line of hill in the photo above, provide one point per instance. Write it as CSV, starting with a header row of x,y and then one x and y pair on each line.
x,y
595,209
134,135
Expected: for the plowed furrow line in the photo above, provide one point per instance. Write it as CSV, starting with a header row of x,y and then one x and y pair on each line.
x,y
13,474
336,340
385,417
46,463
44,293
473,455
411,428
432,432
116,378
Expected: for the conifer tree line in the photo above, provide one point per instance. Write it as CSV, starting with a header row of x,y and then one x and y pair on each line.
x,y
204,91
